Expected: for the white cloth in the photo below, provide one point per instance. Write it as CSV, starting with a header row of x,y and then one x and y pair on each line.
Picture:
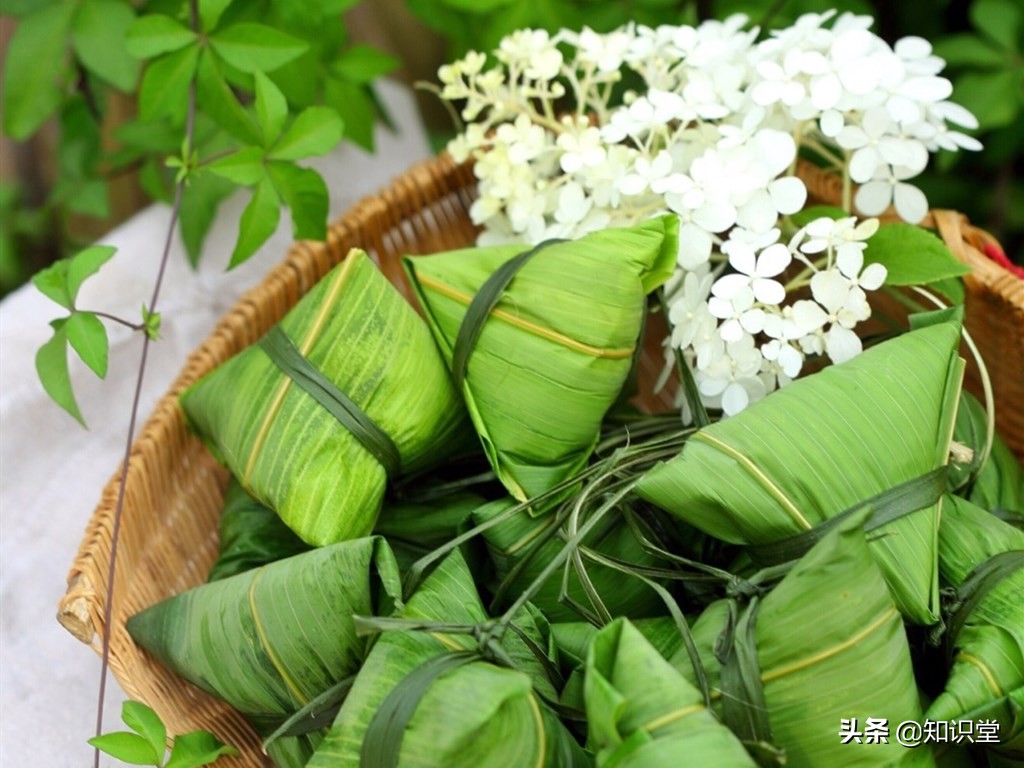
x,y
52,471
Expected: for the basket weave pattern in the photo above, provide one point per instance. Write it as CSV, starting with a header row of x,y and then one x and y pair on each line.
x,y
175,488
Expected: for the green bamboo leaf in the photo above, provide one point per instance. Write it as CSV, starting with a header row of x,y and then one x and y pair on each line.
x,y
52,369
251,535
315,131
888,412
967,50
126,747
86,263
98,37
210,12
244,166
362,64
200,201
236,638
564,374
988,650
152,35
999,20
305,193
34,69
368,343
164,88
912,255
147,723
217,100
52,282
88,338
198,748
255,47
259,222
271,108
641,711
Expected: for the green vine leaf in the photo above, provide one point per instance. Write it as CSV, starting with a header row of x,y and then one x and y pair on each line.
x,y
998,20
255,47
210,12
98,38
218,101
305,193
243,167
164,89
259,222
88,338
52,369
200,201
362,63
271,108
156,34
197,748
85,264
34,69
126,747
145,722
315,131
52,282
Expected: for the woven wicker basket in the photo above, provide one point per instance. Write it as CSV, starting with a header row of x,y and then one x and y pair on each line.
x,y
175,488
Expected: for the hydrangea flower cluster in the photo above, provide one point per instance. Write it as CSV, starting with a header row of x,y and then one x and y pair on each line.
x,y
710,132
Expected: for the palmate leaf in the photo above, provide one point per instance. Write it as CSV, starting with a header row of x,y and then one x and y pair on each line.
x,y
554,350
826,444
237,639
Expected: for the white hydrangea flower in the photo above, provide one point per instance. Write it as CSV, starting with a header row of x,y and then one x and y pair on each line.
x,y
888,187
710,133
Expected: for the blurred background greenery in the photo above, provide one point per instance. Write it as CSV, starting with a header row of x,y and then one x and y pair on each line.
x,y
82,162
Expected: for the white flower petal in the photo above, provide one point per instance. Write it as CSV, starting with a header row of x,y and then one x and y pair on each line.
x,y
729,286
715,217
788,194
831,121
830,289
773,260
842,344
850,261
694,246
873,277
808,316
911,204
734,399
874,197
768,291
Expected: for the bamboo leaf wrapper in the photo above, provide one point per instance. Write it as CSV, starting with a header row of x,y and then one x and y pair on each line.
x,y
287,448
554,353
826,444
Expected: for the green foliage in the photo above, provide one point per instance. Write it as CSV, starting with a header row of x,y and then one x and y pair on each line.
x,y
912,255
146,743
82,330
68,59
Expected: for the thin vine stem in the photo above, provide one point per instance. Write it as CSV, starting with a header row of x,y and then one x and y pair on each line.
x,y
108,608
115,319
